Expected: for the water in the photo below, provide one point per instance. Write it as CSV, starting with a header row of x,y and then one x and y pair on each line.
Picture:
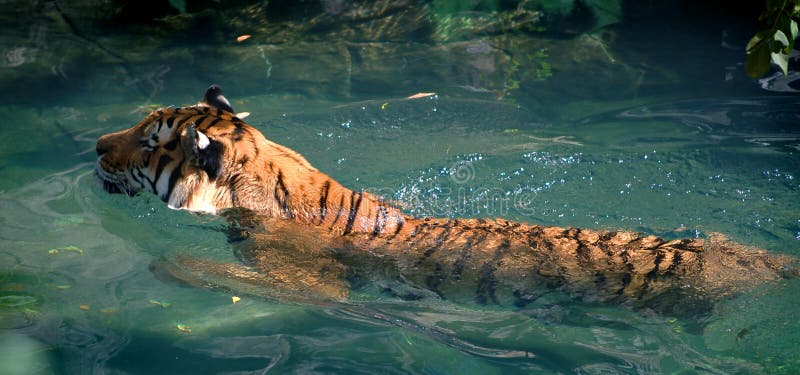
x,y
77,294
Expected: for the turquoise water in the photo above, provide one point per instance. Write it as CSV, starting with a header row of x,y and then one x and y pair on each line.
x,y
77,294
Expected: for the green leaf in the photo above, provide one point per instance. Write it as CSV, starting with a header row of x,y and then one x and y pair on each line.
x,y
781,37
757,62
781,60
755,41
793,29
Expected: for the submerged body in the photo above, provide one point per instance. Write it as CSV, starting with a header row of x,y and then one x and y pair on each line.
x,y
300,232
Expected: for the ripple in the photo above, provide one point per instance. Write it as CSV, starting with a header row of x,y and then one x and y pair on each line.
x,y
742,117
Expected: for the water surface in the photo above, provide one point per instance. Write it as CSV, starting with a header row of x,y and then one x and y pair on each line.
x,y
77,293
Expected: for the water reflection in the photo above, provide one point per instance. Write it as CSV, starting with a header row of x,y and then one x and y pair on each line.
x,y
773,118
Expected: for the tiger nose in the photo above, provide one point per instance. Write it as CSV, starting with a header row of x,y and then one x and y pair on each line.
x,y
102,146
100,150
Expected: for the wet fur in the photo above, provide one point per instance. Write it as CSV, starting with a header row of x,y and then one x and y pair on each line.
x,y
299,232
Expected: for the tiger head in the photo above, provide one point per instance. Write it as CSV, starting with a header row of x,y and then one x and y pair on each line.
x,y
202,158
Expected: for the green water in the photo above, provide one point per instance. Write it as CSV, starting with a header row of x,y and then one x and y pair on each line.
x,y
683,159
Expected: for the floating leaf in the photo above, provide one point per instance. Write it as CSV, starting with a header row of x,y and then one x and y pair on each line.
x,y
421,95
63,286
109,310
242,38
65,249
183,328
384,105
159,303
793,29
235,299
84,307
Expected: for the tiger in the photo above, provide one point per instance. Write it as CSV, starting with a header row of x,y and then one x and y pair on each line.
x,y
299,232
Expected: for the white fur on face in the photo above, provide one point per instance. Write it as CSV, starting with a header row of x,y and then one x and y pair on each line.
x,y
193,193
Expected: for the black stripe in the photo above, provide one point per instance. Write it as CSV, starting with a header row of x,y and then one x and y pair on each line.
x,y
137,175
435,279
440,240
487,280
182,120
234,180
238,132
144,178
399,227
676,261
351,218
173,179
162,163
200,120
583,254
464,255
170,122
282,201
338,210
171,145
380,221
323,200
214,122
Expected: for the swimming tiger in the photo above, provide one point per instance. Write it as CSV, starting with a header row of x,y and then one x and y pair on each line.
x,y
300,232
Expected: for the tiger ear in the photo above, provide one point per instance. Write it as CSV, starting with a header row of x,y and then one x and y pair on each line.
x,y
214,98
201,151
193,140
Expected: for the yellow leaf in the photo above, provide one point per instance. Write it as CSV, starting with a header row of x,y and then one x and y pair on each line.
x,y
235,299
242,38
159,303
421,95
72,248
65,248
84,307
384,105
109,310
183,328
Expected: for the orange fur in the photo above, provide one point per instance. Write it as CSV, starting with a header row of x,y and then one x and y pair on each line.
x,y
206,159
